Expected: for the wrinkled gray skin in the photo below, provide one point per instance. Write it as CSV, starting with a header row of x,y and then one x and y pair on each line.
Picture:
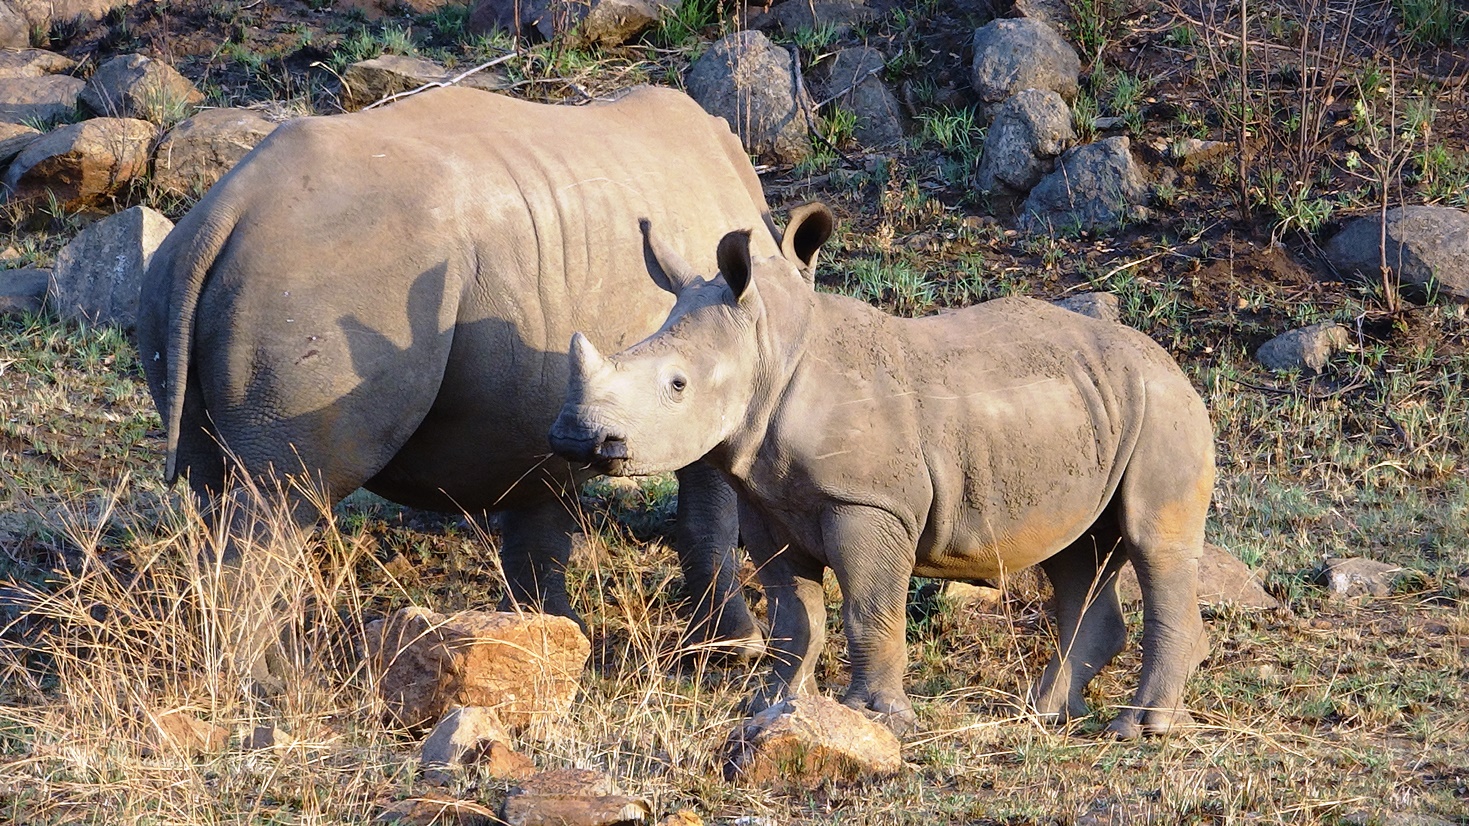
x,y
382,300
962,445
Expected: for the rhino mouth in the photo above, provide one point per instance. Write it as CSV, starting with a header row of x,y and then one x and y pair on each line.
x,y
605,453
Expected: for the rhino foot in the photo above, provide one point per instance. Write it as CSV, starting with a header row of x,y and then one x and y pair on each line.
x,y
1135,723
893,711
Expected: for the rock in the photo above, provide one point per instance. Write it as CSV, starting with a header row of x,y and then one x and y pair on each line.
x,y
46,99
1104,306
23,290
1014,55
200,150
682,817
1223,580
82,164
852,82
793,16
98,275
1096,186
539,810
1427,249
181,734
136,86
33,63
523,666
579,22
43,15
1193,154
262,738
749,81
1357,577
461,738
956,594
368,81
504,763
572,797
1307,348
1026,134
805,741
14,138
1054,13
435,810
15,29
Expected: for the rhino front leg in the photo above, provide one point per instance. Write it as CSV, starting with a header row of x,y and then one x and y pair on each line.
x,y
796,605
873,558
535,546
1089,623
705,537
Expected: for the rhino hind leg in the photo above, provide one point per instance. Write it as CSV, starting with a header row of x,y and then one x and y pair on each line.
x,y
706,534
1165,500
1090,627
534,549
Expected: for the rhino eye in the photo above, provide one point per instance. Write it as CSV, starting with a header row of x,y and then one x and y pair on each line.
x,y
678,383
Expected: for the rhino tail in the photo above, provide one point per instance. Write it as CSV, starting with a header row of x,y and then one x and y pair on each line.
x,y
188,269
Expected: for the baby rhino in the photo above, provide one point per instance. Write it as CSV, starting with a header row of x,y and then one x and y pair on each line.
x,y
963,445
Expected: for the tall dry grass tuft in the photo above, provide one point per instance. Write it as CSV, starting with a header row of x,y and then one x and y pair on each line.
x,y
147,621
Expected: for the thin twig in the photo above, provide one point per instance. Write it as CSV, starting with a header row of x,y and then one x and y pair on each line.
x,y
438,84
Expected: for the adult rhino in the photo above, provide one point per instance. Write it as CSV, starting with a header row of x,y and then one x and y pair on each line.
x,y
382,300
961,445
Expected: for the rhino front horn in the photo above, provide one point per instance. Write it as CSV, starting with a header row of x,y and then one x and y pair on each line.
x,y
585,360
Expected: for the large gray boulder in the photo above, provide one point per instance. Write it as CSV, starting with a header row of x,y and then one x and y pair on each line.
x,y
1096,186
852,82
98,276
750,82
199,151
82,164
137,86
1013,55
1427,250
1027,133
39,99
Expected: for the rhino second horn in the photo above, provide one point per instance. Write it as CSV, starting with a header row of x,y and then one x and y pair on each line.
x,y
585,360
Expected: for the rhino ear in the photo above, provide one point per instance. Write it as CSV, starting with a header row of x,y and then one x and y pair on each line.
x,y
810,226
734,262
668,269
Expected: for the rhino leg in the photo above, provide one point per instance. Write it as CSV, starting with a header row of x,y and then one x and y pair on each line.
x,y
534,549
796,604
1089,623
1165,499
873,559
705,537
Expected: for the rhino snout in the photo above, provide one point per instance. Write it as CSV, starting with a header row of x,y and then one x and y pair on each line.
x,y
596,446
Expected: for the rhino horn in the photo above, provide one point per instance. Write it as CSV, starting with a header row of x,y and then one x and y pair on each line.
x,y
585,360
668,269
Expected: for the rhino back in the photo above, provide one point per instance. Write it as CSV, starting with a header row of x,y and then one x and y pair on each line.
x,y
997,433
399,285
